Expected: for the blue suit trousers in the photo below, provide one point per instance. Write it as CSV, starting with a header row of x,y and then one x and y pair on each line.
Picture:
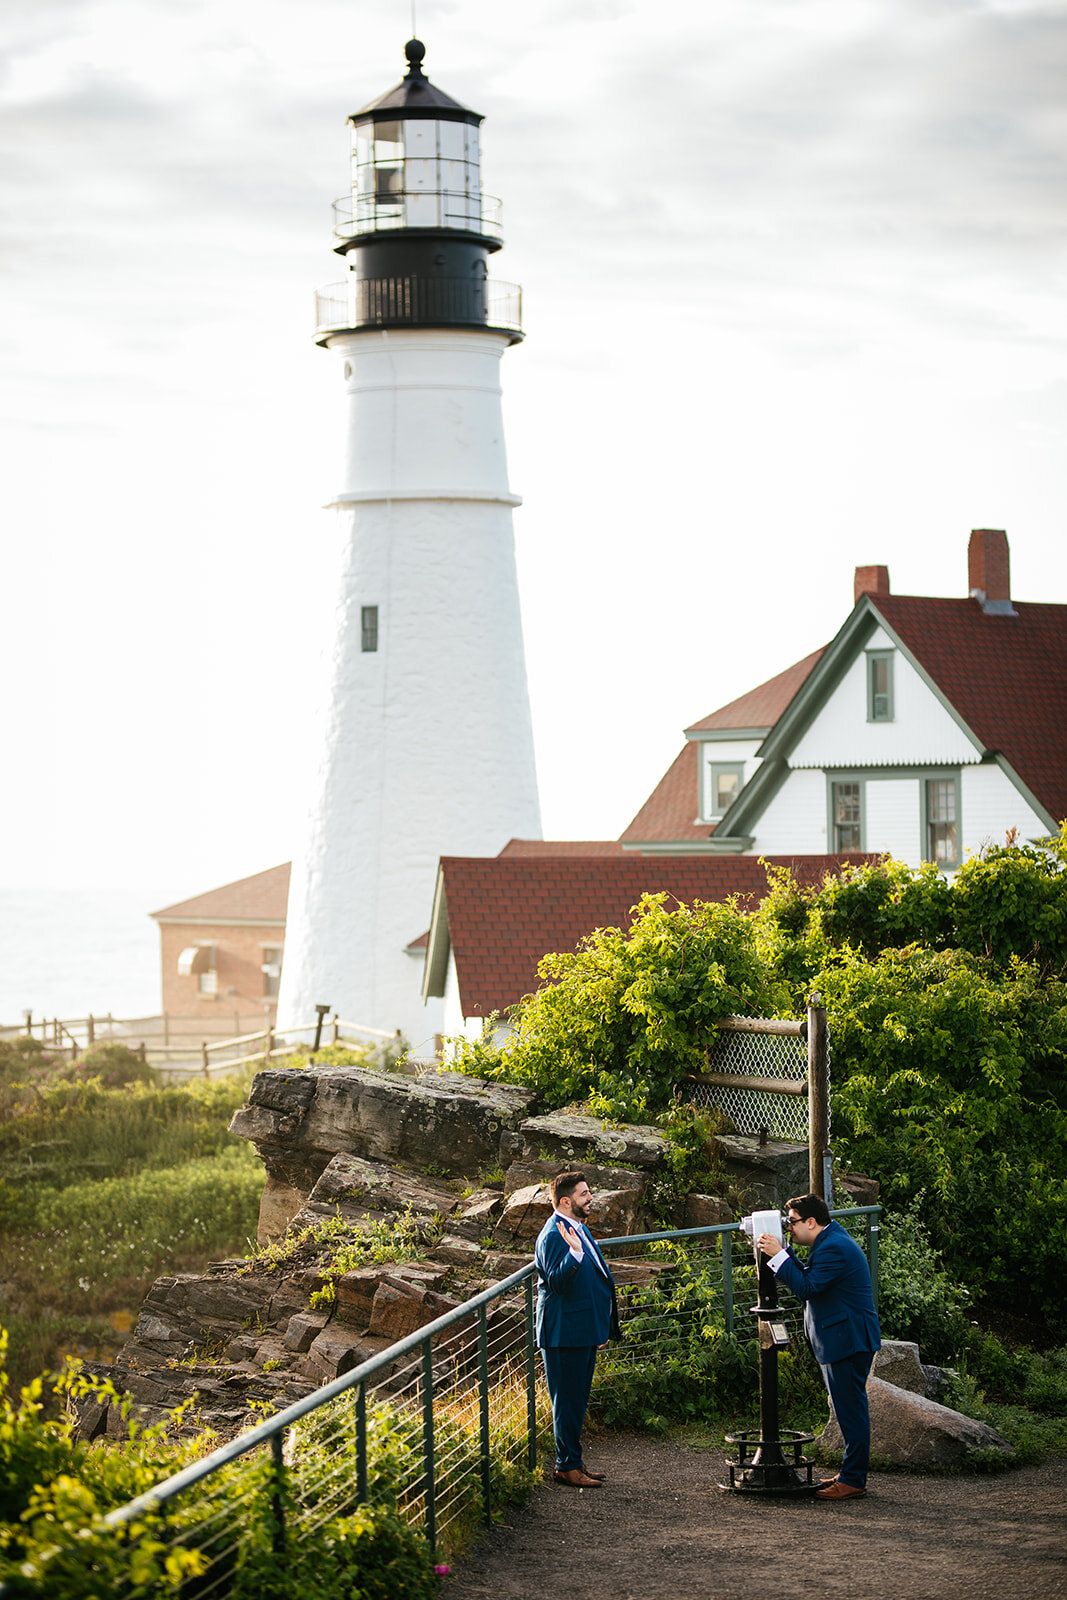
x,y
569,1373
846,1383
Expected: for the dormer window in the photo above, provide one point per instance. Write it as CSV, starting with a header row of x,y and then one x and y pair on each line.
x,y
723,782
879,686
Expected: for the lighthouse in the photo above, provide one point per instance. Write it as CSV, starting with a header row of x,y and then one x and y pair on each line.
x,y
428,746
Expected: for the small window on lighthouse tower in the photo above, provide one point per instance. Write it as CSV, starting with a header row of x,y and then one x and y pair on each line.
x,y
369,621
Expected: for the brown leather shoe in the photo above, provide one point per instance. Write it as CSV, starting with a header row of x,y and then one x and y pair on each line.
x,y
840,1491
599,1476
575,1478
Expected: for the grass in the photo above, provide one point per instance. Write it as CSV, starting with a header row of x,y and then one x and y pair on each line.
x,y
101,1190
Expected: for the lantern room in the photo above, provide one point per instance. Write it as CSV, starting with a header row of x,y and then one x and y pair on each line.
x,y
416,164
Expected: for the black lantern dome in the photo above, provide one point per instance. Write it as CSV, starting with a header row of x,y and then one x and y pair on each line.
x,y
416,229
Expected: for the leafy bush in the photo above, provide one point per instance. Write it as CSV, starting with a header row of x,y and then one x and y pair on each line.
x,y
55,1493
115,1065
916,1297
949,1084
620,1021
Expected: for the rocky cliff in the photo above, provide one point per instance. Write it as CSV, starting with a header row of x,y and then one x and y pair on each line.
x,y
455,1167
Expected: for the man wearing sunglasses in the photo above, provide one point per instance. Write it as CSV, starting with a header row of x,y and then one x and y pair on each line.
x,y
839,1320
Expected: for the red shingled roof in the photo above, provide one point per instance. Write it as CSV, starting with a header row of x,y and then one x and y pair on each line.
x,y
761,707
562,847
261,898
1006,677
669,811
505,913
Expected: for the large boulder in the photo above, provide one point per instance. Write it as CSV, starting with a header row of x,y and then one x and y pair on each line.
x,y
298,1118
614,1211
521,1173
706,1211
898,1362
767,1175
563,1137
907,1430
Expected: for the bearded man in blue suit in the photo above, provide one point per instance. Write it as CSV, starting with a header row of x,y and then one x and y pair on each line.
x,y
577,1313
841,1323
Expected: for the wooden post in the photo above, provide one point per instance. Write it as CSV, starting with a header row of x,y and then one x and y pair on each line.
x,y
204,1058
819,1160
269,1045
90,1030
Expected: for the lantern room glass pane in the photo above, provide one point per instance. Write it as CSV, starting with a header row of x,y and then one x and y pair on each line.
x,y
388,141
451,140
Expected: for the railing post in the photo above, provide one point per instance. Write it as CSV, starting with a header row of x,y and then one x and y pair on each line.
x,y
427,1442
728,1279
361,1443
269,1045
483,1415
872,1253
819,1160
531,1379
90,1031
277,1504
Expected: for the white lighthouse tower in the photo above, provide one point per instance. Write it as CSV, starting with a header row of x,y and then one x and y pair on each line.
x,y
429,747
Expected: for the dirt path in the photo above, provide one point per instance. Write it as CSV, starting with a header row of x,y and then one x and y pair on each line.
x,y
661,1527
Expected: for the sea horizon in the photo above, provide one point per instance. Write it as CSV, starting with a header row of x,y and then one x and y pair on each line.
x,y
68,952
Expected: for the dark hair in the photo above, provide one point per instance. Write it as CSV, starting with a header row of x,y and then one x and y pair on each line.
x,y
810,1207
565,1183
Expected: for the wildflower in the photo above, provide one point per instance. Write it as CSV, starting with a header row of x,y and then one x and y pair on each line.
x,y
441,1572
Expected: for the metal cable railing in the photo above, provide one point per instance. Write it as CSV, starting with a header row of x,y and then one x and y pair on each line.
x,y
444,1425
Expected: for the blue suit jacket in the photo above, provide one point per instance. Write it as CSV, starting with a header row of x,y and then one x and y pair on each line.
x,y
835,1286
576,1303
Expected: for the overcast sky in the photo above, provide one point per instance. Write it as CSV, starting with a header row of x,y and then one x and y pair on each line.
x,y
793,279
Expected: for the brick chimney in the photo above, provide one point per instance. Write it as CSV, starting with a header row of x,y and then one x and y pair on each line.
x,y
870,580
988,571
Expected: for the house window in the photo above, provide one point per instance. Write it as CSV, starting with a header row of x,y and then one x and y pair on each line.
x,y
725,780
942,822
369,627
846,816
272,970
879,686
207,983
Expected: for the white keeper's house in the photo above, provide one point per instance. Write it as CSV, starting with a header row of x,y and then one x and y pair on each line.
x,y
926,729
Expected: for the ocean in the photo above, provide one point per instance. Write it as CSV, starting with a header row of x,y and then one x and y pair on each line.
x,y
67,952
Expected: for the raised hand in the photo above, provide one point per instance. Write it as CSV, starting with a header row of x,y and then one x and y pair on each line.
x,y
569,1237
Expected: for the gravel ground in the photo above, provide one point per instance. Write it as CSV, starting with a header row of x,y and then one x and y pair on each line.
x,y
661,1527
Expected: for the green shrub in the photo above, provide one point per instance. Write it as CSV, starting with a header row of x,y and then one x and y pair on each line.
x,y
115,1065
619,1022
917,1299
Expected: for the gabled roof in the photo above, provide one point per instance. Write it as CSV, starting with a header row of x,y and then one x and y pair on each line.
x,y
261,898
1002,677
501,914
